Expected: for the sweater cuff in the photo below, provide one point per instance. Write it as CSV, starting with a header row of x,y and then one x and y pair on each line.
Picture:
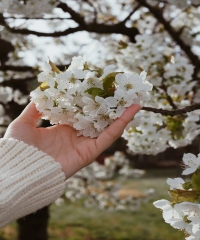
x,y
29,180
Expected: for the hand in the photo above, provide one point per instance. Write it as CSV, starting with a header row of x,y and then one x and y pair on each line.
x,y
61,141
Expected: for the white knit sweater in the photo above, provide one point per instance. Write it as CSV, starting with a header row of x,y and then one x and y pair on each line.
x,y
29,180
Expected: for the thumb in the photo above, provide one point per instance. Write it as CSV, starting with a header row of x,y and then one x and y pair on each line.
x,y
115,130
30,114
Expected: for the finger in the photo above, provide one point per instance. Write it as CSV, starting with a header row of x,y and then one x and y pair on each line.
x,y
30,114
115,130
80,155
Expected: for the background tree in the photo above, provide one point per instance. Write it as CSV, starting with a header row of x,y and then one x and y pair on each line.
x,y
161,37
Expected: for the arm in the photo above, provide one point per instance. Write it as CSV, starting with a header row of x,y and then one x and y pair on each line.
x,y
29,180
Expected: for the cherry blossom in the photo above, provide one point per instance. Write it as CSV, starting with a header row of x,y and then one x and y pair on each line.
x,y
93,101
175,183
184,211
191,163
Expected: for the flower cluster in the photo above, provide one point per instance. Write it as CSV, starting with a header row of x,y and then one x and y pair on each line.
x,y
88,100
171,75
164,66
150,137
156,132
184,211
34,8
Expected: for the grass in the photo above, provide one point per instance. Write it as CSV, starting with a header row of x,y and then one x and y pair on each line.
x,y
71,221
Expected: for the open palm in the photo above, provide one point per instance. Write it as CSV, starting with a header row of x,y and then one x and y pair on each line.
x,y
61,141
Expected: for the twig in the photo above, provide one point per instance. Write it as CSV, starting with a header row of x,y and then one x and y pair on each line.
x,y
169,99
27,68
130,14
3,125
173,113
37,18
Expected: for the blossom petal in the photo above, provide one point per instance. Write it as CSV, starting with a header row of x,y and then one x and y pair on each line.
x,y
188,171
162,204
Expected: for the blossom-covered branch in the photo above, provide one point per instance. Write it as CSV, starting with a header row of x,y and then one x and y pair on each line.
x,y
175,35
102,28
183,211
130,14
93,27
85,99
25,31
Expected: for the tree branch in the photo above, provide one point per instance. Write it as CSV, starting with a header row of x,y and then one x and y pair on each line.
x,y
17,68
174,35
18,81
92,27
27,68
102,28
173,113
3,125
130,14
25,31
169,99
37,18
75,16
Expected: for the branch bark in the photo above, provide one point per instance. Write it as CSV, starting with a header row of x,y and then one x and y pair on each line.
x,y
169,99
17,68
26,68
131,13
75,16
93,27
21,83
25,31
173,113
37,18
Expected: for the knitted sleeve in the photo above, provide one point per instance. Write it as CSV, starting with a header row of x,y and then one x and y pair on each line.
x,y
29,180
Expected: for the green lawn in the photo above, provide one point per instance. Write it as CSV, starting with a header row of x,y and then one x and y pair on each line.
x,y
72,221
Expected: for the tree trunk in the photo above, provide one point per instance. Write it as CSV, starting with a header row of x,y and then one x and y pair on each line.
x,y
34,226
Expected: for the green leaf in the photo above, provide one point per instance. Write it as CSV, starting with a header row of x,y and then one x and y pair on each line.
x,y
110,92
180,195
109,79
95,91
196,180
187,185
